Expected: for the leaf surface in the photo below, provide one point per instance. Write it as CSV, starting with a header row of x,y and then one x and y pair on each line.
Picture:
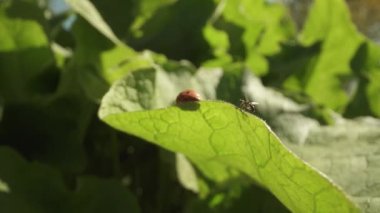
x,y
215,131
326,80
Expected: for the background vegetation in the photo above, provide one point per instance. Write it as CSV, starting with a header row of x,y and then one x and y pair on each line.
x,y
84,85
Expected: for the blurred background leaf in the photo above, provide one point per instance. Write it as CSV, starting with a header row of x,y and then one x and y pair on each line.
x,y
33,187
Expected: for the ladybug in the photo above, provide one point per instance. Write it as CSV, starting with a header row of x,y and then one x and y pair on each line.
x,y
248,105
188,95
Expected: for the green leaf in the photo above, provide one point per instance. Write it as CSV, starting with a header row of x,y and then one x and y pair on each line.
x,y
97,195
329,24
49,132
36,188
218,41
186,173
128,16
341,154
97,62
32,187
1,110
174,30
87,10
367,97
255,30
214,131
25,55
253,198
154,88
118,14
84,69
346,150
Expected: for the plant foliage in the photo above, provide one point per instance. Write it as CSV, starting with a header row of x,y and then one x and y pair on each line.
x,y
86,88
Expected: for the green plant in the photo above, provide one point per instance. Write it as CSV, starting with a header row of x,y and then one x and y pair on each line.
x,y
82,91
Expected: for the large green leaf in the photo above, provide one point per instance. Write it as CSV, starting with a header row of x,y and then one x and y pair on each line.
x,y
346,150
217,132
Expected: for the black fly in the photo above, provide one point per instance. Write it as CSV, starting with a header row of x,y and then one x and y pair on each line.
x,y
248,105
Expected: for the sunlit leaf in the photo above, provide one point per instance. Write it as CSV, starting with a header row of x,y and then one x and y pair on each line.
x,y
255,30
329,25
213,131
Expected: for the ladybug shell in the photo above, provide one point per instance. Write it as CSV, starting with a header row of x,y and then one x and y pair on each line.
x,y
188,96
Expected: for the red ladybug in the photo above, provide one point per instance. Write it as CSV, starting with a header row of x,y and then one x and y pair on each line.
x,y
188,95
